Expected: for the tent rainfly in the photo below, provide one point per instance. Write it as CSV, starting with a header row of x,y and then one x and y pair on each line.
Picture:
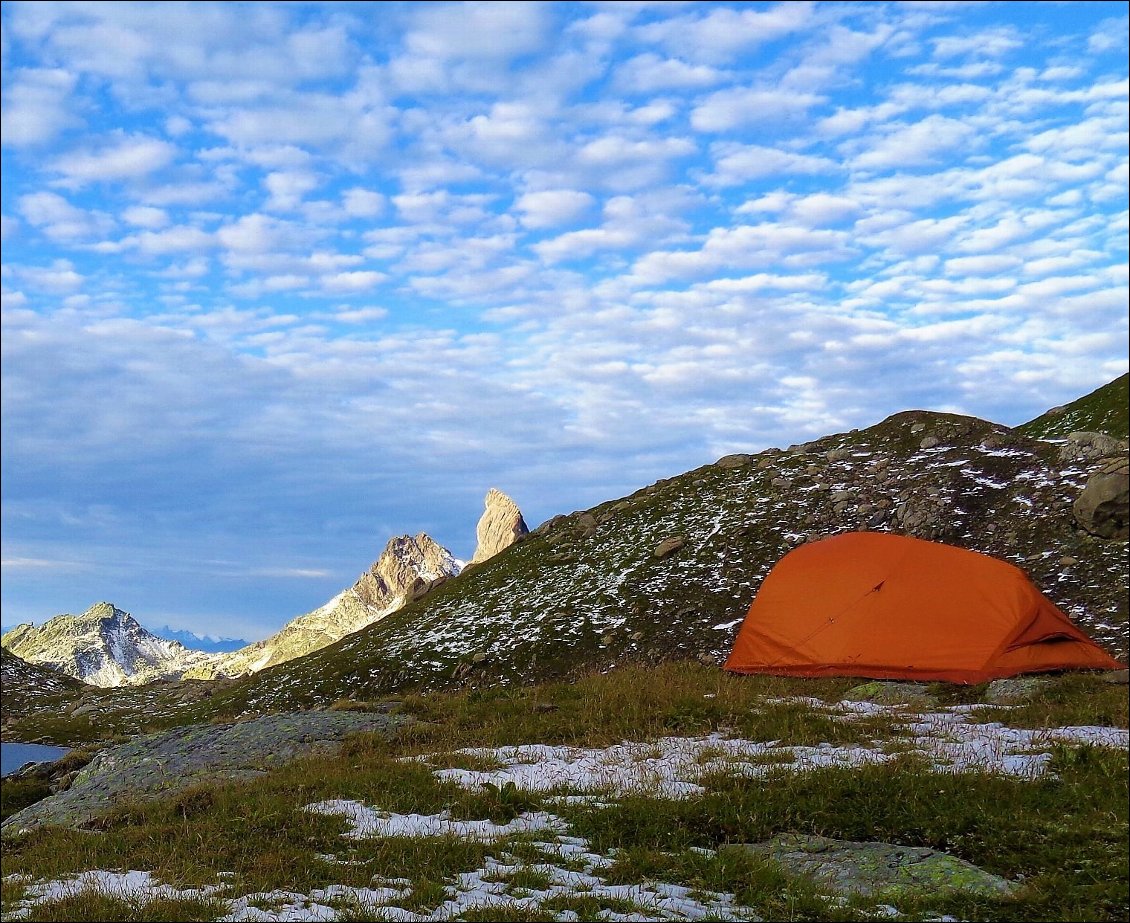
x,y
888,606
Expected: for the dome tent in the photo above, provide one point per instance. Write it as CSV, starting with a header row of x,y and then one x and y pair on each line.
x,y
888,606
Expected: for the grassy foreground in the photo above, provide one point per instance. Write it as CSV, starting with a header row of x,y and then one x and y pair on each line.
x,y
1063,836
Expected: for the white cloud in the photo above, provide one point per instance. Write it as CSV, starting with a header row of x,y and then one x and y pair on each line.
x,y
362,203
1110,36
57,279
722,33
60,220
146,216
989,43
747,108
649,73
915,145
357,281
288,187
36,106
126,157
734,164
552,207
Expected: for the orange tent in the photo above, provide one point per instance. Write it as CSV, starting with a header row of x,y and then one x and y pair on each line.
x,y
892,607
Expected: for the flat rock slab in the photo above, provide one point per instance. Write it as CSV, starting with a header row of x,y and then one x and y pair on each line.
x,y
157,764
874,869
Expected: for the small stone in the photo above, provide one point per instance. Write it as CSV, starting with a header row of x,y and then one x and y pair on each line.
x,y
918,427
928,443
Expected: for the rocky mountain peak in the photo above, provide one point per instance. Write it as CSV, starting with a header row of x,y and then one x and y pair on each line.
x,y
407,569
104,646
500,526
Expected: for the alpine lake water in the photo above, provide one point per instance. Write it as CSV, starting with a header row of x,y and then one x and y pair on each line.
x,y
14,755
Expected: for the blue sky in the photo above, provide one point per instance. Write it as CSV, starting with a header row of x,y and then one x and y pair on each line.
x,y
281,281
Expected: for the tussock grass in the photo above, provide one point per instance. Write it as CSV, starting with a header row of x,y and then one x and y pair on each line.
x,y
1063,835
92,907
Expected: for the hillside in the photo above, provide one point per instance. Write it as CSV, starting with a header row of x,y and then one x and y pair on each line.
x,y
669,571
1104,410
27,687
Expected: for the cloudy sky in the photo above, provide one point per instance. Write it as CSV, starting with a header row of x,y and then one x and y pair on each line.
x,y
281,281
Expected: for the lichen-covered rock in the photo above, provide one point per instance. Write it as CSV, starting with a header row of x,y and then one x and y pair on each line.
x,y
1103,507
873,869
500,526
891,693
158,764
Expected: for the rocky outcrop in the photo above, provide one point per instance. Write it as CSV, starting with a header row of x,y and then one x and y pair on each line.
x,y
158,765
500,527
1083,446
104,647
1103,506
407,569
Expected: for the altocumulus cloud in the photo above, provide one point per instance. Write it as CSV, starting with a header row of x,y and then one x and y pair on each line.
x,y
282,280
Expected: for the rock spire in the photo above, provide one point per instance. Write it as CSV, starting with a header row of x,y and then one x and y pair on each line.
x,y
500,527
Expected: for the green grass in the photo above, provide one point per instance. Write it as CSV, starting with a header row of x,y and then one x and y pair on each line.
x,y
1104,410
1063,836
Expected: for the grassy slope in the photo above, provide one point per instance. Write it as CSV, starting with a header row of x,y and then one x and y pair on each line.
x,y
1104,410
586,592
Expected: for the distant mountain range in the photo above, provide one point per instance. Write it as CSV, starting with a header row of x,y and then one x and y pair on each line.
x,y
105,646
197,642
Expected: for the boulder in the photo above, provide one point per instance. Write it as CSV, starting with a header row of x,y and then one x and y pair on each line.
x,y
500,526
669,546
872,869
1090,446
1103,506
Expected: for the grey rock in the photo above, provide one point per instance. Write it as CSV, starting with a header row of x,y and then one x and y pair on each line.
x,y
159,764
734,461
1103,506
928,442
1015,689
872,869
1085,446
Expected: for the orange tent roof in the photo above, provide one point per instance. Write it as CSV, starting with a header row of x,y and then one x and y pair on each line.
x,y
893,607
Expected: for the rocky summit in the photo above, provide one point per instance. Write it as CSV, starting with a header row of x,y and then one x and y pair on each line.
x,y
500,527
104,647
407,569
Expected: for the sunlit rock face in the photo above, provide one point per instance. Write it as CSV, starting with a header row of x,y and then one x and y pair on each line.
x,y
407,569
500,527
